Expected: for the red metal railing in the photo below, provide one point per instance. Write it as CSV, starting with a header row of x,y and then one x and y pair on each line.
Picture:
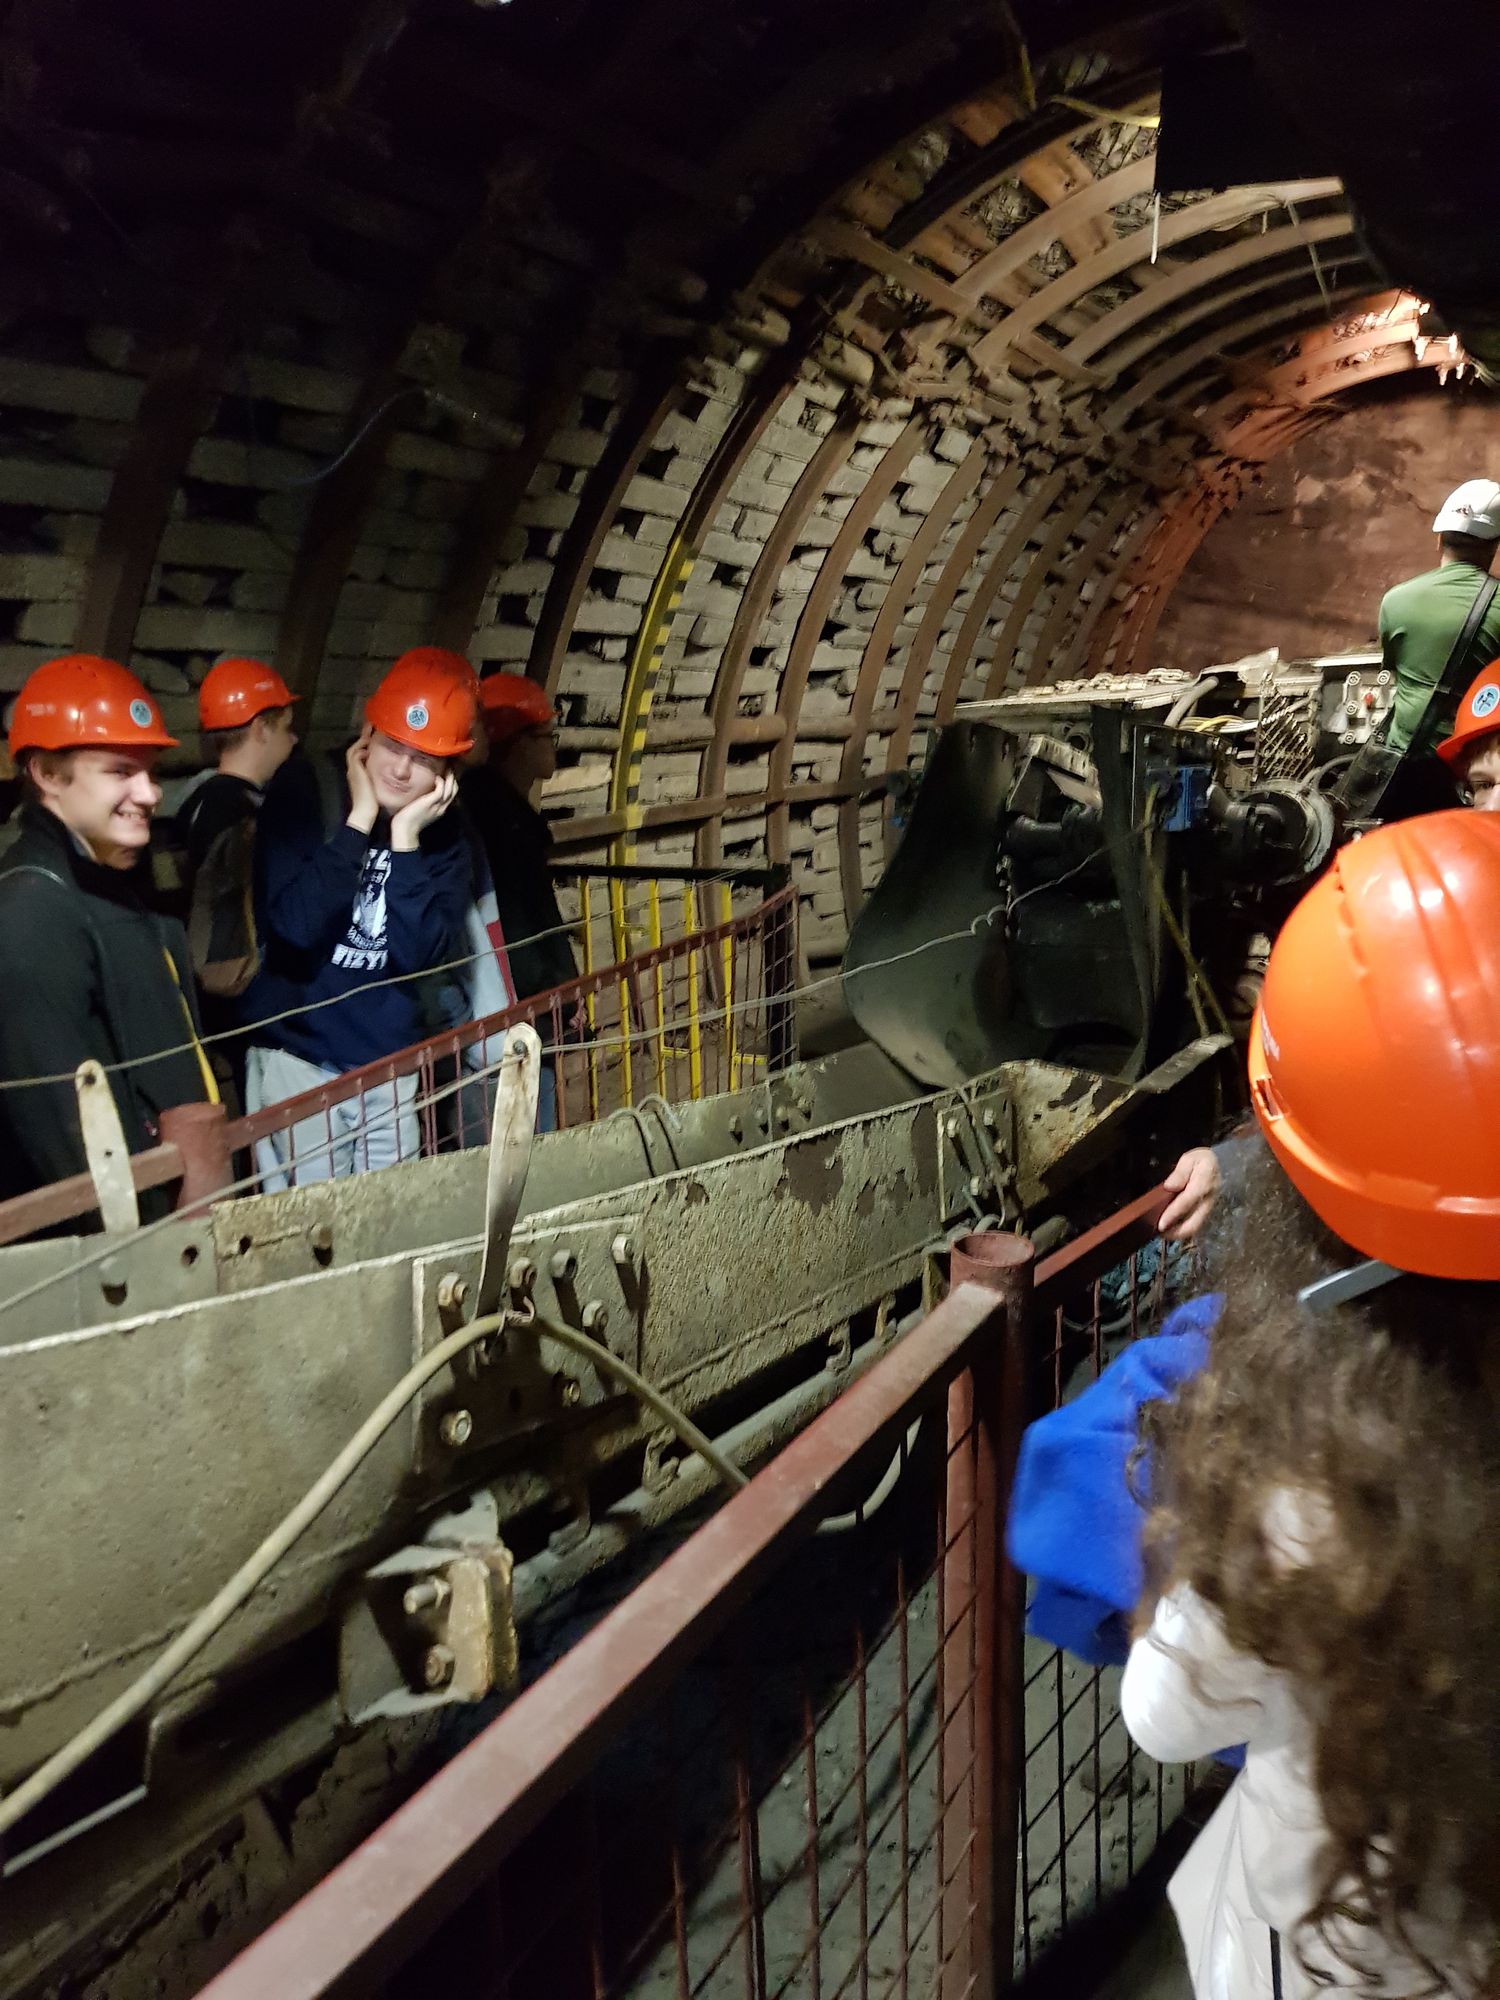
x,y
1093,1810
787,1766
684,1019
706,1011
772,1771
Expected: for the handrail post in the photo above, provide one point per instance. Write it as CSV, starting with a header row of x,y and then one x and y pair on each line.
x,y
995,1396
200,1132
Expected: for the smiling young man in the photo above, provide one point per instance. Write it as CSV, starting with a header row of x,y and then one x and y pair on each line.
x,y
358,886
91,972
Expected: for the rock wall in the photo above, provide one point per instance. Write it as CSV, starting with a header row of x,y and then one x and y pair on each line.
x,y
1304,560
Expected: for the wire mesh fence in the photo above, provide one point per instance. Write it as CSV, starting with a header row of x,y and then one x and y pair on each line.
x,y
794,1765
686,1017
706,1006
1093,1808
772,1773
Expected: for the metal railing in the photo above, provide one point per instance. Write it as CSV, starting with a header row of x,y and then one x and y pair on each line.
x,y
705,1007
791,1766
706,1011
1093,1809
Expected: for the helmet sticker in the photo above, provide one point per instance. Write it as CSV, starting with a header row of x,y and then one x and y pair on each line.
x,y
416,715
140,713
1486,701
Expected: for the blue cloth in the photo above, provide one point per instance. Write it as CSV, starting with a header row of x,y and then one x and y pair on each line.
x,y
339,915
1075,1527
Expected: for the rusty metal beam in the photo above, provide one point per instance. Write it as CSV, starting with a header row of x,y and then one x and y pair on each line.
x,y
1072,663
177,407
1213,347
1089,205
1067,600
1124,253
673,813
1201,273
819,602
893,609
759,593
656,396
380,1904
1061,525
987,589
1001,490
496,499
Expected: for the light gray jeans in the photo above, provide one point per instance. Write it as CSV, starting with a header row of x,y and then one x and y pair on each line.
x,y
374,1129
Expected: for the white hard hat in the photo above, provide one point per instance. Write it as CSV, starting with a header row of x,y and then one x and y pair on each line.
x,y
1471,509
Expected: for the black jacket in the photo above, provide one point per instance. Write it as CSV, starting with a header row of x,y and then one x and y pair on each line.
x,y
219,802
518,845
85,975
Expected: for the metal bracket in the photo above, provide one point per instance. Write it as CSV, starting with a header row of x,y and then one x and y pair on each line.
x,y
432,1624
105,1150
511,1133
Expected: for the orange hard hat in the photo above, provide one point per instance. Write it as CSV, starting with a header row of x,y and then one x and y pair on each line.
x,y
511,704
440,660
1375,1050
426,704
236,691
1478,716
81,702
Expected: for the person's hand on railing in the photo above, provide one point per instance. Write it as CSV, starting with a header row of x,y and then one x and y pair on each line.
x,y
1195,1184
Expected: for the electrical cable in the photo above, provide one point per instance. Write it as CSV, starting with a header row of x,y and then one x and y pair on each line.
x,y
676,1420
843,1524
211,1620
202,1629
322,472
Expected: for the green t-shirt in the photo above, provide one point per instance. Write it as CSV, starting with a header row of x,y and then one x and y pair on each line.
x,y
1419,622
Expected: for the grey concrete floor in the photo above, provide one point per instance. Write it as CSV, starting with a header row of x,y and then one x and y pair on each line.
x,y
1154,1970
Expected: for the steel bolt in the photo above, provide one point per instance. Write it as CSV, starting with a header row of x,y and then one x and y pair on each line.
x,y
456,1429
437,1667
563,1266
784,1118
522,1274
977,1184
990,1121
736,1126
451,1292
624,1249
431,1594
320,1239
568,1391
596,1318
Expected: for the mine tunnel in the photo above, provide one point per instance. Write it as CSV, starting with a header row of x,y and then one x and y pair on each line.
x,y
738,735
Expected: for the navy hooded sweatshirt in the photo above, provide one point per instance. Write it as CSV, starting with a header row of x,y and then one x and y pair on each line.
x,y
340,914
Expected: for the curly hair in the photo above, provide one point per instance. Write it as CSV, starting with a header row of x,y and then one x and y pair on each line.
x,y
1382,1418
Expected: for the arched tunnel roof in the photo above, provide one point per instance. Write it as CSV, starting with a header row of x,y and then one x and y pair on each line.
x,y
763,378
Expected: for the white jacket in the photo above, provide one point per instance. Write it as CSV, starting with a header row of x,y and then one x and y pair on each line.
x,y
1187,1693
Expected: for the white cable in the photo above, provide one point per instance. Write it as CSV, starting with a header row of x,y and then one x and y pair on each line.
x,y
215,1615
